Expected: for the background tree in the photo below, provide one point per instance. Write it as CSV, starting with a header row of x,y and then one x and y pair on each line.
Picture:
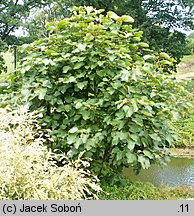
x,y
190,43
160,20
12,16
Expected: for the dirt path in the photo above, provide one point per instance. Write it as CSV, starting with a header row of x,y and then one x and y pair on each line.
x,y
183,152
189,75
186,69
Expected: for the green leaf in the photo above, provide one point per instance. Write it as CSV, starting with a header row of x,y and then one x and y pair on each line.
x,y
148,154
143,44
71,80
134,137
112,57
55,54
155,137
125,75
78,65
60,108
66,69
67,107
85,114
47,83
166,62
127,18
128,110
78,142
134,104
73,130
42,93
100,63
146,113
78,105
93,65
165,55
81,85
138,121
112,15
119,155
175,115
71,139
135,128
135,73
81,47
130,144
149,57
145,162
62,24
131,158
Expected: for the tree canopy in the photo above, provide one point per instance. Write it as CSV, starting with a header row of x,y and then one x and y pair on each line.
x,y
13,14
160,20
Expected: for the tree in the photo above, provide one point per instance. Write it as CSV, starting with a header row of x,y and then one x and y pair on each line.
x,y
2,63
12,16
35,25
190,43
157,18
102,91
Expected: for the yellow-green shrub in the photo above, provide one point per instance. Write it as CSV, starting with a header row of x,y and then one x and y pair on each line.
x,y
28,170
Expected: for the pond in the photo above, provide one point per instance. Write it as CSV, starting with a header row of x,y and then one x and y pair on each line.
x,y
179,171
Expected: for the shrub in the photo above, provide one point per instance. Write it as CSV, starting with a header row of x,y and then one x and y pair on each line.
x,y
145,191
100,89
29,171
190,44
130,191
185,124
3,67
176,193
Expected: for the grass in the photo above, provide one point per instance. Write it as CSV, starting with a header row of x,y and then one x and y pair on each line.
x,y
9,62
145,191
184,127
186,67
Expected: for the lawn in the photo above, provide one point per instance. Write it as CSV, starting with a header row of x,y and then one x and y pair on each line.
x,y
9,62
186,67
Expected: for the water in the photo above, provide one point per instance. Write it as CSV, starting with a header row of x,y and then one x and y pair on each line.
x,y
180,171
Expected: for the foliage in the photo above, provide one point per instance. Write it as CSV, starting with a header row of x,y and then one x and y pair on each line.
x,y
190,44
158,19
100,89
3,68
161,39
184,128
167,13
29,171
186,66
35,25
185,124
145,191
176,193
130,191
12,15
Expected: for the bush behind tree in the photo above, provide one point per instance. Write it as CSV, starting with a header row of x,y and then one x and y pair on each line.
x,y
190,44
102,90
